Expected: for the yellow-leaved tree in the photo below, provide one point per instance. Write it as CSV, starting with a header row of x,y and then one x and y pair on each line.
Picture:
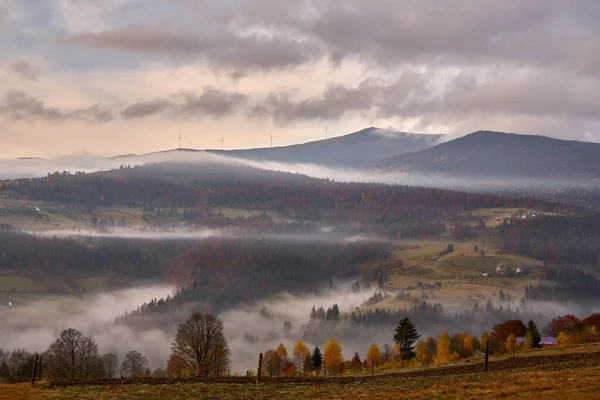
x,y
484,338
374,355
280,360
396,352
467,347
332,357
509,343
422,353
301,358
443,349
563,339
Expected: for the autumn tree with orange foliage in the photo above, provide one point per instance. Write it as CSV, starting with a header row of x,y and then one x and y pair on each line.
x,y
373,356
332,357
443,349
301,359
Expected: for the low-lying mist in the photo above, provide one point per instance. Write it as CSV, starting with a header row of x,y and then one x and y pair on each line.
x,y
28,168
36,325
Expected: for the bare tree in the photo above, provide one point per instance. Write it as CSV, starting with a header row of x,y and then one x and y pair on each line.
x,y
74,357
134,364
201,345
111,365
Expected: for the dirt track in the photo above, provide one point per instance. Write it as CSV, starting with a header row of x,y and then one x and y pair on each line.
x,y
541,363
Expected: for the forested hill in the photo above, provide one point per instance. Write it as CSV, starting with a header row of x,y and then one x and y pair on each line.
x,y
497,154
357,149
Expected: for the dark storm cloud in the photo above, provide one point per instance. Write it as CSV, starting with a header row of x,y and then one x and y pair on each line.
x,y
219,48
24,70
20,106
184,105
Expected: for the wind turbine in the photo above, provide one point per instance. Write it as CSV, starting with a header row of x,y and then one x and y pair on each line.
x,y
179,141
222,141
326,131
271,140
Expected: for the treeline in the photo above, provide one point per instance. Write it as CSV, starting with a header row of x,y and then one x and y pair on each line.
x,y
387,210
361,324
558,240
43,256
408,351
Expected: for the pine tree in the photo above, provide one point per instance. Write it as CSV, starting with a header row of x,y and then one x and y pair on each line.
x,y
536,338
406,335
316,359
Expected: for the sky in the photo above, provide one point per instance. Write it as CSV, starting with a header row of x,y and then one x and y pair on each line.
x,y
113,77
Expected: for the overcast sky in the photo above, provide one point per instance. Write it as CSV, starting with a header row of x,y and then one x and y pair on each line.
x,y
123,76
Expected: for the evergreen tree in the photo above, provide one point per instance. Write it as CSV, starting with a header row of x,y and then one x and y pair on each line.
x,y
536,338
316,359
406,335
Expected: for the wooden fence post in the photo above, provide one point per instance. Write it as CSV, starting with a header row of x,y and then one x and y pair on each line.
x,y
34,368
487,353
40,369
259,367
513,347
372,368
324,369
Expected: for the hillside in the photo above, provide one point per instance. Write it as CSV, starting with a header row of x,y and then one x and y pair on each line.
x,y
357,149
496,154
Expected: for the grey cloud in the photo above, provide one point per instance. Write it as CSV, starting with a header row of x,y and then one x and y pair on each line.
x,y
24,70
184,105
371,96
219,48
20,106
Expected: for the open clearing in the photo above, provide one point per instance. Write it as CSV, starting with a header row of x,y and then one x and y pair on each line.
x,y
561,373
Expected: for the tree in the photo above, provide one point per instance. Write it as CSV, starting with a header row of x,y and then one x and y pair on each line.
x,y
287,328
111,365
74,357
509,343
562,339
332,356
316,359
421,353
592,320
373,355
301,358
475,344
484,338
201,344
528,343
503,330
467,347
569,324
443,349
356,363
280,360
134,365
406,335
533,331
177,367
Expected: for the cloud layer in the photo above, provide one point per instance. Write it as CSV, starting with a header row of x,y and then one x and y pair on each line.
x,y
245,66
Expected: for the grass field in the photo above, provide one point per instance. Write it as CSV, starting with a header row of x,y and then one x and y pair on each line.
x,y
561,373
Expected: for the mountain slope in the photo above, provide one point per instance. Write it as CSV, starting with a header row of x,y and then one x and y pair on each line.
x,y
357,149
486,153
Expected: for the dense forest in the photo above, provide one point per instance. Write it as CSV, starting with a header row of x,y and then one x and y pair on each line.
x,y
386,210
557,240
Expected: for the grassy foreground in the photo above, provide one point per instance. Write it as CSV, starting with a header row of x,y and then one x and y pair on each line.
x,y
571,373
